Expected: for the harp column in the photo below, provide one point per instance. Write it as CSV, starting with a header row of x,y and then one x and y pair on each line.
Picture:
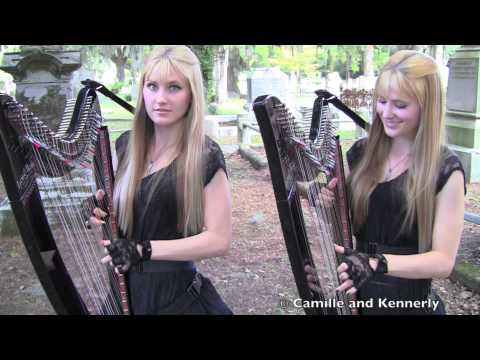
x,y
42,74
463,109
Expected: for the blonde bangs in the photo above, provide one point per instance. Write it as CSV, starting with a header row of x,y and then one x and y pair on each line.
x,y
392,79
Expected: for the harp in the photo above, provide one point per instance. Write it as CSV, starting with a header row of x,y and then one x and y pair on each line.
x,y
303,156
50,179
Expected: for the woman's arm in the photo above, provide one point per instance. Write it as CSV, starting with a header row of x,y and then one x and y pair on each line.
x,y
447,232
215,239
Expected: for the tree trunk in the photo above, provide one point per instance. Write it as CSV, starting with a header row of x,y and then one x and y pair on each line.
x,y
270,50
348,67
136,65
438,54
330,62
368,68
221,70
235,65
120,61
249,53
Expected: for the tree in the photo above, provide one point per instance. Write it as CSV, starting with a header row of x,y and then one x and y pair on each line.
x,y
119,55
296,60
368,62
220,59
205,54
236,64
123,56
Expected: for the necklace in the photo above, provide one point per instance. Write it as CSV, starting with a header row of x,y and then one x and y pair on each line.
x,y
154,159
391,168
150,166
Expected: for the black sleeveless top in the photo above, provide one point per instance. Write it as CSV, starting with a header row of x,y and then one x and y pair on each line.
x,y
381,232
154,285
159,219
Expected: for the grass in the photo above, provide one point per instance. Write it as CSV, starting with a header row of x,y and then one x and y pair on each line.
x,y
111,110
117,117
232,106
346,134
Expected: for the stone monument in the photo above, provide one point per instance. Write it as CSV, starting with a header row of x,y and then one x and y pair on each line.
x,y
42,74
463,109
268,81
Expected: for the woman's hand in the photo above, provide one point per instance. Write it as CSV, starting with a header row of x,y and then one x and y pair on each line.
x,y
327,195
346,284
356,270
98,215
311,278
324,197
122,253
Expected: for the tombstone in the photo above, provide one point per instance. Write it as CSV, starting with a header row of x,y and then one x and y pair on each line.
x,y
366,82
269,81
293,81
212,128
444,70
463,109
42,74
334,82
322,83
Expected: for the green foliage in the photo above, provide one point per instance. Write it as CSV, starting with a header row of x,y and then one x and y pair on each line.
x,y
261,58
205,54
117,86
381,55
302,61
91,58
343,58
232,106
7,48
212,109
450,49
111,110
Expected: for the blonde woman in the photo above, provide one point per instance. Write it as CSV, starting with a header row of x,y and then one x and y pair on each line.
x,y
172,196
407,195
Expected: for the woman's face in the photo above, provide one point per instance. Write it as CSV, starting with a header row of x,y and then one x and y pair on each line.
x,y
166,100
400,114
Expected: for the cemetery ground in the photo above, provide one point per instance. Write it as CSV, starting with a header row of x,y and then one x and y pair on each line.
x,y
255,277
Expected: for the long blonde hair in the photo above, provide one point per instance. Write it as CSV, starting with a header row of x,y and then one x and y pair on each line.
x,y
188,167
418,75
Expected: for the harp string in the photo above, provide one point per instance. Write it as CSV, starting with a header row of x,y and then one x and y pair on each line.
x,y
328,212
80,240
327,223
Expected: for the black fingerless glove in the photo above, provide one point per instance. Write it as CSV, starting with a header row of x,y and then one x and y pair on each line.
x,y
124,253
359,269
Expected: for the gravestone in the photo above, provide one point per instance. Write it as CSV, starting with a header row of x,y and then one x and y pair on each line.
x,y
463,109
334,83
42,74
269,81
